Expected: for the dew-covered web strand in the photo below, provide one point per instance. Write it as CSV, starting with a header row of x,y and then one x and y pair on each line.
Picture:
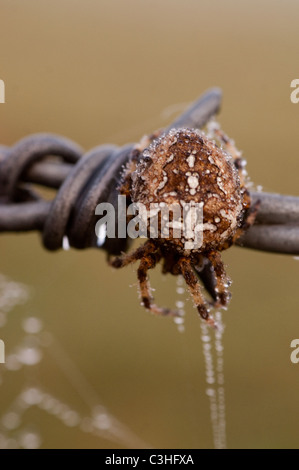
x,y
180,304
212,344
189,390
37,343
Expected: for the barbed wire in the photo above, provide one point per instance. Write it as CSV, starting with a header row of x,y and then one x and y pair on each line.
x,y
83,180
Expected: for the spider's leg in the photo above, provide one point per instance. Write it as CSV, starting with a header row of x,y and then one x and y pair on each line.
x,y
227,142
229,145
146,263
206,274
195,290
239,164
128,258
248,222
222,280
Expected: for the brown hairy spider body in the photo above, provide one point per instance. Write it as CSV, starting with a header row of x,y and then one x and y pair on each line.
x,y
185,167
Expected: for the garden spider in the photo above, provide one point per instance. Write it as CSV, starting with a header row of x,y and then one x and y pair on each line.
x,y
182,166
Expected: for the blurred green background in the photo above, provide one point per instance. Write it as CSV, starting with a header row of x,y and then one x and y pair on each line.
x,y
110,71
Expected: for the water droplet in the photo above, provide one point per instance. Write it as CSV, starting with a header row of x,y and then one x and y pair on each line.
x,y
65,243
32,396
206,338
48,402
210,373
30,440
11,420
70,418
102,421
101,234
210,380
30,356
32,325
180,290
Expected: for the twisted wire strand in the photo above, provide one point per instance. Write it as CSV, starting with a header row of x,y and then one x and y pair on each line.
x,y
83,180
276,228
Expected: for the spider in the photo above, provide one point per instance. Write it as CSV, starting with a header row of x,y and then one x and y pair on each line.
x,y
184,166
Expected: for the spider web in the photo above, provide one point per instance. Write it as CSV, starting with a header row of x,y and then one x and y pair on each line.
x,y
36,345
212,347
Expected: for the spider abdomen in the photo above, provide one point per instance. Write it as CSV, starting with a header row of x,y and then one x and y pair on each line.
x,y
185,167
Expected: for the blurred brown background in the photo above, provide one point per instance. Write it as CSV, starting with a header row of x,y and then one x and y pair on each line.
x,y
110,71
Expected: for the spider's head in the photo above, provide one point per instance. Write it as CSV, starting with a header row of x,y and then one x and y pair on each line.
x,y
185,169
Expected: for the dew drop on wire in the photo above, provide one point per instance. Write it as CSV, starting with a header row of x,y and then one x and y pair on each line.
x,y
65,243
101,235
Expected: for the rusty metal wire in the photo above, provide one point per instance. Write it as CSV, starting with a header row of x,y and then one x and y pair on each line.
x,y
83,180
